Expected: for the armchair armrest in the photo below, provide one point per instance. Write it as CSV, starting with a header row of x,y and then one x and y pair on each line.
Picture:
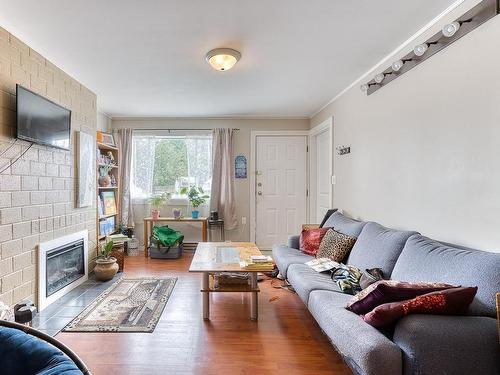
x,y
442,344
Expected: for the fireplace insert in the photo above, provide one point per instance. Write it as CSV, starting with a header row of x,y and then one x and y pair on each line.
x,y
65,264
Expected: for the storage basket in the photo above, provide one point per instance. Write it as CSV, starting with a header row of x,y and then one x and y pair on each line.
x,y
133,247
118,252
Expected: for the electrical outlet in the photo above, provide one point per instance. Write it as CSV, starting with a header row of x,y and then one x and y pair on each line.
x,y
243,220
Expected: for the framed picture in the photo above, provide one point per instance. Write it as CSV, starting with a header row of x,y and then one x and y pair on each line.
x,y
240,166
86,179
107,139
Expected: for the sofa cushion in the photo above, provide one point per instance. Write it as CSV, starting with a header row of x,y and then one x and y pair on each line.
x,y
365,349
424,259
378,246
344,224
454,301
310,239
335,245
436,344
304,280
385,291
284,256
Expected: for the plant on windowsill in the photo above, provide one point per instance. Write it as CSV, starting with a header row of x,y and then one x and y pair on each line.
x,y
157,201
106,266
196,197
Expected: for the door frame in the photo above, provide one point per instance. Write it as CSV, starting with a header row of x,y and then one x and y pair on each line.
x,y
325,126
252,168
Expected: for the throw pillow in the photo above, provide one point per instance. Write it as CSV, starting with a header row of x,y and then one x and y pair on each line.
x,y
385,291
335,245
453,301
310,240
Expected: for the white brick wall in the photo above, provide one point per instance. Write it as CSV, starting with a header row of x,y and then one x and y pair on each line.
x,y
36,193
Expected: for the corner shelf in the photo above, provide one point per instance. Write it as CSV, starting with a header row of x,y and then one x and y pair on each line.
x,y
102,149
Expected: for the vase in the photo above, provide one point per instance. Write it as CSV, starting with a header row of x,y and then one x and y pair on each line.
x,y
195,214
104,181
177,212
105,269
155,213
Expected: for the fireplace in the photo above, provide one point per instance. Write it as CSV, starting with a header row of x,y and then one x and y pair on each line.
x,y
63,265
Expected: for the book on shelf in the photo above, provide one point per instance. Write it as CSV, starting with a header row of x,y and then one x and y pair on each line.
x,y
118,238
100,206
262,266
323,264
261,259
109,202
107,226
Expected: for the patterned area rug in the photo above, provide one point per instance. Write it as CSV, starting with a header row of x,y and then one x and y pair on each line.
x,y
129,305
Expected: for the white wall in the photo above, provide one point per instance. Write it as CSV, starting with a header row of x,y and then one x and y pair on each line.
x,y
242,146
426,147
103,122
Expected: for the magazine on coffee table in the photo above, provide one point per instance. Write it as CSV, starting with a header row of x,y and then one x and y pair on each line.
x,y
323,264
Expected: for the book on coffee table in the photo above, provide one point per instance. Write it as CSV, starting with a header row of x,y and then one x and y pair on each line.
x,y
323,264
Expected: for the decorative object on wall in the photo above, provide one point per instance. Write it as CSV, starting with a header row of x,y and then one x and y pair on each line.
x,y
85,170
343,150
240,166
450,33
108,139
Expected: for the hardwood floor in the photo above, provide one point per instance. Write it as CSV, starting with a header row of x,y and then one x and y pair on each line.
x,y
286,339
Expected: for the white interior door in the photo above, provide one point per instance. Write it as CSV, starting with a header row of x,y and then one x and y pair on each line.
x,y
321,168
281,188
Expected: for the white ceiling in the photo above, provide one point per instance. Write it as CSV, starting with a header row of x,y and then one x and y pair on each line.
x,y
146,58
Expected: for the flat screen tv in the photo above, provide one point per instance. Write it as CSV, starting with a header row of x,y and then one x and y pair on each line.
x,y
42,121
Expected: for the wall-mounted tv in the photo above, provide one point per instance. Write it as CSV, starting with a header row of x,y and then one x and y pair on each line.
x,y
42,121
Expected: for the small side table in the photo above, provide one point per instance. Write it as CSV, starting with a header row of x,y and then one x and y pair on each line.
x,y
216,224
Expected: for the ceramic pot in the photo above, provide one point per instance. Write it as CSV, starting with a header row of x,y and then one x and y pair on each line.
x,y
155,213
105,269
104,181
195,214
177,212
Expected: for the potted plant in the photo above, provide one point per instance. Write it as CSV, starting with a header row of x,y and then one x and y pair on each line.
x,y
104,177
106,266
196,197
157,201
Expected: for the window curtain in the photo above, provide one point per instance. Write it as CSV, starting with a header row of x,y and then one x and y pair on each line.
x,y
124,142
222,194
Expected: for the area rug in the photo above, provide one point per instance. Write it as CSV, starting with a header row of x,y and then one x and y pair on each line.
x,y
129,305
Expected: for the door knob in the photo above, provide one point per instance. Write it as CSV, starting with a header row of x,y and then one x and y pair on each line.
x,y
259,184
259,192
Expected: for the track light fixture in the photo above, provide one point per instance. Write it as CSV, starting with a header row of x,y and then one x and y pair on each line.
x,y
379,77
421,49
451,29
449,33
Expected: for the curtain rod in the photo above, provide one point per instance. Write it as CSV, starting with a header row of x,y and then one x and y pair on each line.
x,y
153,129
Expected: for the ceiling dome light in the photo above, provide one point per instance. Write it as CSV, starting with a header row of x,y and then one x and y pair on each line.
x,y
451,29
379,77
421,49
223,59
397,65
364,87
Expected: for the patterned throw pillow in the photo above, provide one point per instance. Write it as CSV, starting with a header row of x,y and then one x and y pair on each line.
x,y
335,245
454,301
310,239
385,291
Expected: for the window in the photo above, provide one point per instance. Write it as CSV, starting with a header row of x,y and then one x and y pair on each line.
x,y
166,163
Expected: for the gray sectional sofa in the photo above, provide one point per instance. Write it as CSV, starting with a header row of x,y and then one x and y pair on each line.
x,y
418,344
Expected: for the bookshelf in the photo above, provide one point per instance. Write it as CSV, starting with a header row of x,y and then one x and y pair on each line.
x,y
109,219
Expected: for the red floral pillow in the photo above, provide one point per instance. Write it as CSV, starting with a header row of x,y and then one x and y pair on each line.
x,y
453,301
385,291
310,239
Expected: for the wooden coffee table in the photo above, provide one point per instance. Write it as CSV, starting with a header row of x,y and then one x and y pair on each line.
x,y
213,257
